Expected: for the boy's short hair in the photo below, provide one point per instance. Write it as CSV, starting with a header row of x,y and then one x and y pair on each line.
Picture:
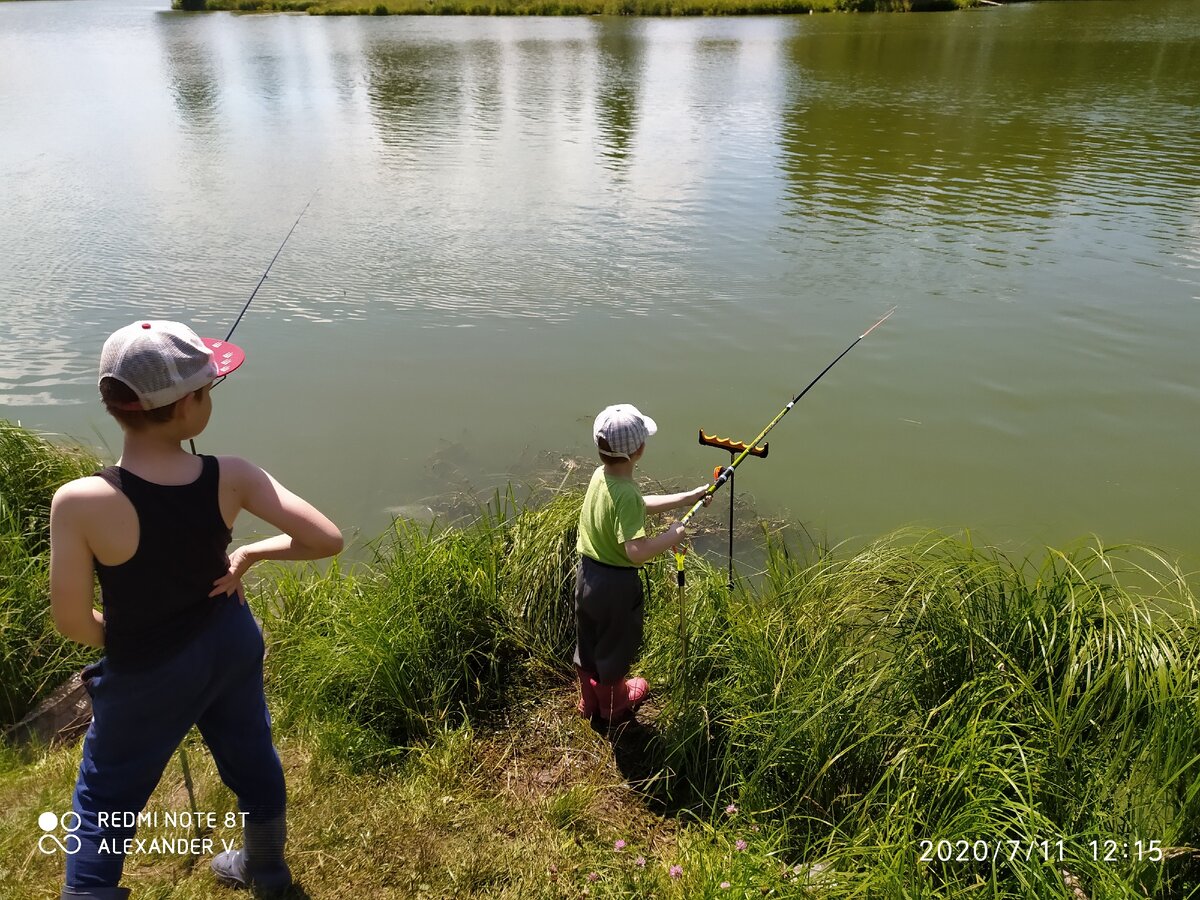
x,y
606,454
118,397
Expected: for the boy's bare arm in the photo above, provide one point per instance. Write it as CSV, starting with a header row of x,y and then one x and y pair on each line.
x,y
72,591
644,549
663,502
307,533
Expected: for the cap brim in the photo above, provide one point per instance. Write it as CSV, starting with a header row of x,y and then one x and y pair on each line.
x,y
226,356
651,425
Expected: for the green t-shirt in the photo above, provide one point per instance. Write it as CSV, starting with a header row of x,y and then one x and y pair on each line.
x,y
613,513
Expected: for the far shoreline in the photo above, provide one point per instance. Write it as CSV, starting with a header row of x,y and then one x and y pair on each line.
x,y
661,8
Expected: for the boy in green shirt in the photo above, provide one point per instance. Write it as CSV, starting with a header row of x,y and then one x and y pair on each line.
x,y
613,544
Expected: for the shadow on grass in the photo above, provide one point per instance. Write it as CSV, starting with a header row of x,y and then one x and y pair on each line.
x,y
295,892
639,752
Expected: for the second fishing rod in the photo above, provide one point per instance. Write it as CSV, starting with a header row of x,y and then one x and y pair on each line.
x,y
727,473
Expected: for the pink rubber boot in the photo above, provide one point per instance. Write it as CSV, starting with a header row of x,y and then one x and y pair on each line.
x,y
636,690
619,700
588,702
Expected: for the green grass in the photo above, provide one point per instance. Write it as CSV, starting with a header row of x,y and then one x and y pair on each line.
x,y
849,703
855,705
33,659
467,814
397,650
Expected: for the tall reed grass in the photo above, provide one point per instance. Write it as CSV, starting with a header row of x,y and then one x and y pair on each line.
x,y
441,627
926,689
384,656
33,658
857,704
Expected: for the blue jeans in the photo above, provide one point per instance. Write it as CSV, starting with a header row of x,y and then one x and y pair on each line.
x,y
139,718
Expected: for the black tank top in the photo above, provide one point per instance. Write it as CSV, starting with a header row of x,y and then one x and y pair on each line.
x,y
157,600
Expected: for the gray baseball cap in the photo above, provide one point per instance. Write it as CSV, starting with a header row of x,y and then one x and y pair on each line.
x,y
162,362
624,428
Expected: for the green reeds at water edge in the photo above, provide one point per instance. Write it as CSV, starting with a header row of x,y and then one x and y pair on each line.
x,y
33,659
923,689
385,656
917,718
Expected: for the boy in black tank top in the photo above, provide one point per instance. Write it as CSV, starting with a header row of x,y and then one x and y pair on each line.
x,y
181,647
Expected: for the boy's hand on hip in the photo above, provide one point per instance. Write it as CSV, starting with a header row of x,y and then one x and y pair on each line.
x,y
239,563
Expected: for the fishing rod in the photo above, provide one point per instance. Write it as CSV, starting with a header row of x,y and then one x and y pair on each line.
x,y
267,271
254,292
727,473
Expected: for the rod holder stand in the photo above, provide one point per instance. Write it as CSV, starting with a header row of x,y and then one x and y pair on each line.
x,y
733,448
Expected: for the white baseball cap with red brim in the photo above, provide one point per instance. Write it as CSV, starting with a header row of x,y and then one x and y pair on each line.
x,y
162,362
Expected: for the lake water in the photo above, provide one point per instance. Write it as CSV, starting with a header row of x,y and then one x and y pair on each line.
x,y
519,221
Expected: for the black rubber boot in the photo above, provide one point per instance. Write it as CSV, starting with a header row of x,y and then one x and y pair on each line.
x,y
259,864
96,893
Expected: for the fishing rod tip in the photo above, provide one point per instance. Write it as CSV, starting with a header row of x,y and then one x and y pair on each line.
x,y
877,324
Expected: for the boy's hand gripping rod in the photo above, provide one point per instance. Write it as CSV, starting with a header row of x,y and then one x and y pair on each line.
x,y
747,449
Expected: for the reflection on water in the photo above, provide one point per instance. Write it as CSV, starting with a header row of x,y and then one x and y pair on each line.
x,y
519,221
412,97
995,133
193,81
620,55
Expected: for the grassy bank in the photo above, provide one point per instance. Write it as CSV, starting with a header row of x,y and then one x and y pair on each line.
x,y
468,814
827,720
569,7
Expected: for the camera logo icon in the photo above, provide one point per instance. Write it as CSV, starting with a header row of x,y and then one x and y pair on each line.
x,y
50,842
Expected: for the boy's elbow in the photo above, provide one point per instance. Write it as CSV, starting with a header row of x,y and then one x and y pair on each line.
x,y
71,627
318,545
62,616
333,545
62,626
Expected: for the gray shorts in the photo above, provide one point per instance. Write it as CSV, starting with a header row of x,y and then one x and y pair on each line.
x,y
609,611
